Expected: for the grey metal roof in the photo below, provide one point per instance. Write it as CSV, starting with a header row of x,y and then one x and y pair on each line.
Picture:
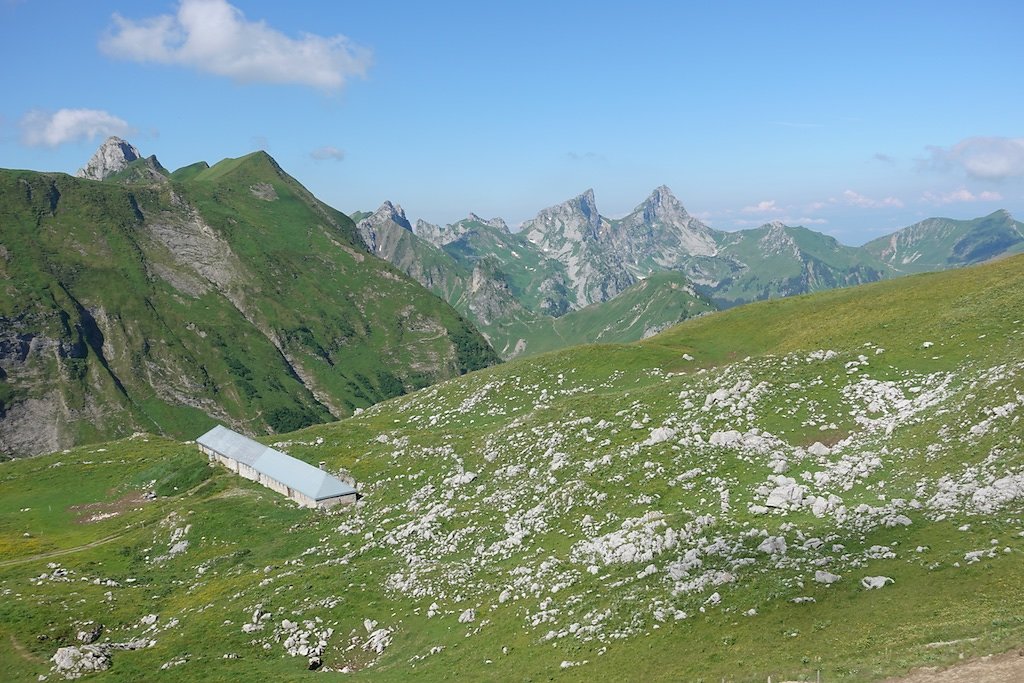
x,y
292,472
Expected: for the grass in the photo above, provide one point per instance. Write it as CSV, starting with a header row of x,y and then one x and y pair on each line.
x,y
531,431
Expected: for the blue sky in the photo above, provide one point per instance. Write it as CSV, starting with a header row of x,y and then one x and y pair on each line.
x,y
850,118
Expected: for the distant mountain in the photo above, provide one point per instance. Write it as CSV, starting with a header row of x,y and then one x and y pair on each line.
x,y
659,235
576,235
939,243
731,268
478,288
225,293
776,260
646,308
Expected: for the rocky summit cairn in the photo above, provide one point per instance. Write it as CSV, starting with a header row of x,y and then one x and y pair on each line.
x,y
113,155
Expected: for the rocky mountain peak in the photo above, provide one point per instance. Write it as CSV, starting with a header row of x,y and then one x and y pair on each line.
x,y
663,207
376,228
390,212
112,156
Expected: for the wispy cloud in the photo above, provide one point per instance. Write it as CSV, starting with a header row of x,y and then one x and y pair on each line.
x,y
585,156
856,199
50,129
215,37
961,195
767,206
884,158
985,158
328,152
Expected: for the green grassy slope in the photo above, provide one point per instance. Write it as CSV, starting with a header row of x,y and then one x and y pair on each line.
x,y
658,302
939,243
778,261
657,510
233,295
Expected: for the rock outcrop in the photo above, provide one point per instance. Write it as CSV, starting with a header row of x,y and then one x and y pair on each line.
x,y
113,156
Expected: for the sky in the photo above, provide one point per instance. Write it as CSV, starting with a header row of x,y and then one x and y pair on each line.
x,y
851,118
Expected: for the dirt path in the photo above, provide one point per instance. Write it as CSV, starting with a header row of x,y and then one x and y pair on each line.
x,y
23,653
1008,666
62,551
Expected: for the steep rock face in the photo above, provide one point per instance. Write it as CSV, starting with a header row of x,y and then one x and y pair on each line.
x,y
572,233
659,234
382,229
490,299
113,156
388,235
441,236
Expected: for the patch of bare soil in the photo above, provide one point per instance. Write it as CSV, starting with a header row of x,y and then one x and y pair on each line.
x,y
23,653
1008,666
89,513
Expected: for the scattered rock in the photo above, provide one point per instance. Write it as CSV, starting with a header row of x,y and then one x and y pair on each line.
x,y
875,582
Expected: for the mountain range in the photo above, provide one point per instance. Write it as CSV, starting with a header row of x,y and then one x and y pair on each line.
x,y
138,300
570,258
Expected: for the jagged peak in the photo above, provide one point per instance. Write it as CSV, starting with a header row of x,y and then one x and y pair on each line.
x,y
390,212
662,205
587,199
112,156
498,223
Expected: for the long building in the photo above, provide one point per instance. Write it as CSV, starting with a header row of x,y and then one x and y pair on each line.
x,y
307,485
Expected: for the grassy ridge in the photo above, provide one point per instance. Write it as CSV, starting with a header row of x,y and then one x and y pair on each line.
x,y
232,295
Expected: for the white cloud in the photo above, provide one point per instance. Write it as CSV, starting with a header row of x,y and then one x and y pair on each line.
x,y
986,158
856,199
767,206
327,152
41,128
961,195
214,36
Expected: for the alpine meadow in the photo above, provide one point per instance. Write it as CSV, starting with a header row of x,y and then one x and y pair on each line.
x,y
514,342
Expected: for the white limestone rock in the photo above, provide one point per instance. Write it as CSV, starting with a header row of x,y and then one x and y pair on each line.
x,y
113,155
827,578
875,582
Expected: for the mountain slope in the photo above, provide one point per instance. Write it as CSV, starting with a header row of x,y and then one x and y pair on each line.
x,y
830,484
939,243
777,260
232,295
646,308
